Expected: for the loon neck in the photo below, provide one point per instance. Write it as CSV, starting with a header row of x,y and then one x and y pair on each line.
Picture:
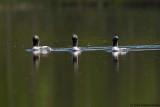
x,y
115,43
74,42
35,42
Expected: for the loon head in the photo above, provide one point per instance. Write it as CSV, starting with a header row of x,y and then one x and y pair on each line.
x,y
115,41
74,40
35,40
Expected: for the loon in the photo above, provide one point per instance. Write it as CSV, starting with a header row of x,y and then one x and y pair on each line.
x,y
75,43
115,47
36,47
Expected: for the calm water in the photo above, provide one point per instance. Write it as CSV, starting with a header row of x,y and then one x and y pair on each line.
x,y
94,78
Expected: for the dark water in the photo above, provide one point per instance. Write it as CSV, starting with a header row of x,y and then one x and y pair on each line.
x,y
94,78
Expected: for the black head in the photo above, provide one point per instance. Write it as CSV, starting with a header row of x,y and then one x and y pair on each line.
x,y
115,40
35,40
75,40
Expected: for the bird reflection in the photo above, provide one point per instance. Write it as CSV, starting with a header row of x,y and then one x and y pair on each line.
x,y
75,55
115,58
36,57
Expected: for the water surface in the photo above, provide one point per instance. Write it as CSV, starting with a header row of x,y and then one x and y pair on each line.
x,y
95,77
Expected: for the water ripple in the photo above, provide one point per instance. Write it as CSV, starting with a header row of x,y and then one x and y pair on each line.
x,y
108,48
144,47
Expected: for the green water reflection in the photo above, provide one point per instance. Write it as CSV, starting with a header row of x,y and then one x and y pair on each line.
x,y
95,79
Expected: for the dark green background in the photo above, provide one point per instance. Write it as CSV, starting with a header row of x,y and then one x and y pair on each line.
x,y
99,82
